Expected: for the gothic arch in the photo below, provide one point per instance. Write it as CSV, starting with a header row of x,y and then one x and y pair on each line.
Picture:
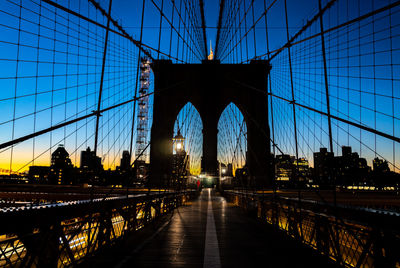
x,y
232,135
210,87
190,125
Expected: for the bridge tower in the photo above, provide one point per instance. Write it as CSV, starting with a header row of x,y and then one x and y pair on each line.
x,y
210,87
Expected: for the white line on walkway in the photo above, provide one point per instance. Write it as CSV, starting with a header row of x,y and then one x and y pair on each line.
x,y
211,251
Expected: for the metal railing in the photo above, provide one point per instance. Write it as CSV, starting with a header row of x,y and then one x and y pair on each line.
x,y
64,234
360,237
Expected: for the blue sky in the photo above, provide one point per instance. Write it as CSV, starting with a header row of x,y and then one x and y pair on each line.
x,y
60,58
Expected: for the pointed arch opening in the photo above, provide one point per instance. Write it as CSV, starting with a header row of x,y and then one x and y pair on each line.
x,y
189,125
232,143
202,85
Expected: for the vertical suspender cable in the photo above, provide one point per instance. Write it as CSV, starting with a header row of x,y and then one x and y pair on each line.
x,y
293,99
254,30
179,28
326,78
291,84
221,11
102,79
172,23
269,90
203,25
327,96
137,78
160,28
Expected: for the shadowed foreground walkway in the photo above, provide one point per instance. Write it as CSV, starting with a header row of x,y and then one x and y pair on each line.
x,y
213,233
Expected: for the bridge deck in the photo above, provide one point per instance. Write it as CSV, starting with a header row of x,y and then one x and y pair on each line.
x,y
213,233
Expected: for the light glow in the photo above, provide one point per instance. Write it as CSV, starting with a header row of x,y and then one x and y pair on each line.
x,y
179,146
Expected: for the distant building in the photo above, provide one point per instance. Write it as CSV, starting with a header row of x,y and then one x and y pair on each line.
x,y
180,163
242,177
225,170
350,169
303,170
125,161
290,172
90,161
363,170
90,168
60,157
180,168
380,165
382,176
38,174
324,167
284,169
229,170
61,169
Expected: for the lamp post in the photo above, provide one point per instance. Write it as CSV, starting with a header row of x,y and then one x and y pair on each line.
x,y
179,143
179,165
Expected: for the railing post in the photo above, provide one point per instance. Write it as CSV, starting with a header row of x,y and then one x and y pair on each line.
x,y
274,213
42,248
385,248
322,235
134,217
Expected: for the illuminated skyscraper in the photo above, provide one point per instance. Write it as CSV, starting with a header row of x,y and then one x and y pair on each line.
x,y
142,118
211,56
303,170
284,169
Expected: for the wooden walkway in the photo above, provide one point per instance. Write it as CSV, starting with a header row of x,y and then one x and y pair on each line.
x,y
213,233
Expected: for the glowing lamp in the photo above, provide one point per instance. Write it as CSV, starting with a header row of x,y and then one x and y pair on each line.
x,y
179,146
178,141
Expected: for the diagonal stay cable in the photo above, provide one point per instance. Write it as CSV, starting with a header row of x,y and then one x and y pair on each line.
x,y
121,31
253,26
370,14
177,32
221,10
94,113
203,25
374,131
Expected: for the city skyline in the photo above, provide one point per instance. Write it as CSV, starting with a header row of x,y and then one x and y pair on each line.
x,y
87,156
